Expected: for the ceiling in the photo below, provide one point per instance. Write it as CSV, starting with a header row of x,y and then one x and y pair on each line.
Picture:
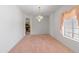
x,y
33,10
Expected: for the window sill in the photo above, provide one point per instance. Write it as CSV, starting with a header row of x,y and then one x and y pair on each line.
x,y
77,40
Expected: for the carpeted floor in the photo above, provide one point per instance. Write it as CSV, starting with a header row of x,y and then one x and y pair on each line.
x,y
39,44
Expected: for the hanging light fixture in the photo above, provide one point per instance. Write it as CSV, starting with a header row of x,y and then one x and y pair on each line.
x,y
39,17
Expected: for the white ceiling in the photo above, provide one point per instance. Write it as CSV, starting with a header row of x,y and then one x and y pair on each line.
x,y
33,10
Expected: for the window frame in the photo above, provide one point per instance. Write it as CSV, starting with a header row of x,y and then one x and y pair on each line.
x,y
62,27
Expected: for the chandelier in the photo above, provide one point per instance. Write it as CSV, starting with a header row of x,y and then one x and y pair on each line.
x,y
39,17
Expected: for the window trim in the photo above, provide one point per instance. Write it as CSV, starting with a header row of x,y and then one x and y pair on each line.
x,y
62,25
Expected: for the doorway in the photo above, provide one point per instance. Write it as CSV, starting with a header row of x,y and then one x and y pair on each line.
x,y
27,26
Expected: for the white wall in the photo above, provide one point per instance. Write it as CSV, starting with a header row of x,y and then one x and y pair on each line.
x,y
11,27
40,27
55,29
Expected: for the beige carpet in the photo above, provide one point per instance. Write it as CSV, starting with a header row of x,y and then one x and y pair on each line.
x,y
39,43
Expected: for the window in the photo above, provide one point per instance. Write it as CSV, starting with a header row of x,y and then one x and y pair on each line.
x,y
70,26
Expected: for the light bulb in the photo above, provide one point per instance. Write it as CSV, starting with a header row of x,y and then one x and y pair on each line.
x,y
39,18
